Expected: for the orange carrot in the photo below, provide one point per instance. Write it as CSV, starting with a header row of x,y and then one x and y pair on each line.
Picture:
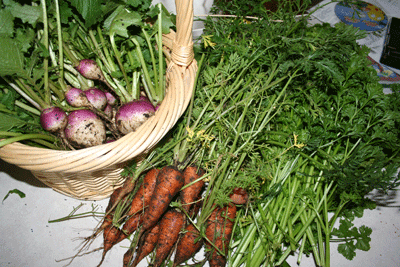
x,y
143,195
130,226
171,224
108,218
239,196
123,191
110,237
169,182
149,242
128,256
188,245
191,193
218,231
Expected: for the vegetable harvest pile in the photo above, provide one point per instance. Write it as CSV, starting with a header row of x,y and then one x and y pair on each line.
x,y
287,133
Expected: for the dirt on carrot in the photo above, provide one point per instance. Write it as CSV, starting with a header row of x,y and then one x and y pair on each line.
x,y
191,193
130,226
147,244
169,182
128,256
218,231
143,195
171,225
188,245
239,196
110,238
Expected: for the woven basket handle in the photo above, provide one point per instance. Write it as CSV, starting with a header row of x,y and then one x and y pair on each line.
x,y
182,46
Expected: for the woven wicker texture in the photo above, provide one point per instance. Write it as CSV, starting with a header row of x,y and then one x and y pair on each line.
x,y
93,173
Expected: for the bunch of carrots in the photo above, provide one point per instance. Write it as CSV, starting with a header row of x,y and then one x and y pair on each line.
x,y
167,229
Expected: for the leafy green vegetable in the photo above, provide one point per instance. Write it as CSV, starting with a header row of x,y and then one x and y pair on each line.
x,y
11,59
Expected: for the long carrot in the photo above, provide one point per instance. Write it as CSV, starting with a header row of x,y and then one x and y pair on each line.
x,y
108,218
128,256
150,239
171,224
191,193
110,237
143,195
130,226
169,182
218,231
123,191
188,245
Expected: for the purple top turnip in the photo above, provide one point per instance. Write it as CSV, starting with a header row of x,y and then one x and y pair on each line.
x,y
96,97
53,119
76,97
85,129
132,114
90,70
111,100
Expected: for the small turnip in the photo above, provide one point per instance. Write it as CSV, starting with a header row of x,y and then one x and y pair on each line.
x,y
85,129
53,119
76,97
96,97
90,70
133,114
111,100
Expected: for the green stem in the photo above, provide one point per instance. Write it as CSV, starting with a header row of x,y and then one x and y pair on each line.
x,y
105,50
60,47
98,50
152,94
117,55
26,137
161,82
153,61
26,107
46,60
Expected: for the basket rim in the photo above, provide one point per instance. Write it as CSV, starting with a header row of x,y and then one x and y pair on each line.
x,y
178,90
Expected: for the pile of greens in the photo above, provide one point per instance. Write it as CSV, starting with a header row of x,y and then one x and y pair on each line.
x,y
296,115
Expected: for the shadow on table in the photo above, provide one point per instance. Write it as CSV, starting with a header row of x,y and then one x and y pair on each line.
x,y
390,199
20,174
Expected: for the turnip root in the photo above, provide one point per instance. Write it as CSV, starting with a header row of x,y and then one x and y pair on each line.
x,y
96,97
76,97
133,114
111,100
85,129
89,69
53,119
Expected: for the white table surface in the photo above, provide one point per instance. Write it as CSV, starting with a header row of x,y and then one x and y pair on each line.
x,y
27,239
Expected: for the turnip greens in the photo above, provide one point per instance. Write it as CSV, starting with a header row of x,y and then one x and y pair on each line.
x,y
42,44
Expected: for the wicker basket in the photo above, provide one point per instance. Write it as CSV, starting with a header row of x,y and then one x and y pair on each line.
x,y
93,173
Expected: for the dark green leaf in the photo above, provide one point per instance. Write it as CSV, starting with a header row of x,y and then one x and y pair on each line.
x,y
90,10
123,20
11,58
6,23
7,122
29,14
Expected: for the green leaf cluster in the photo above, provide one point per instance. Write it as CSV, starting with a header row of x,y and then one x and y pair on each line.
x,y
328,114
